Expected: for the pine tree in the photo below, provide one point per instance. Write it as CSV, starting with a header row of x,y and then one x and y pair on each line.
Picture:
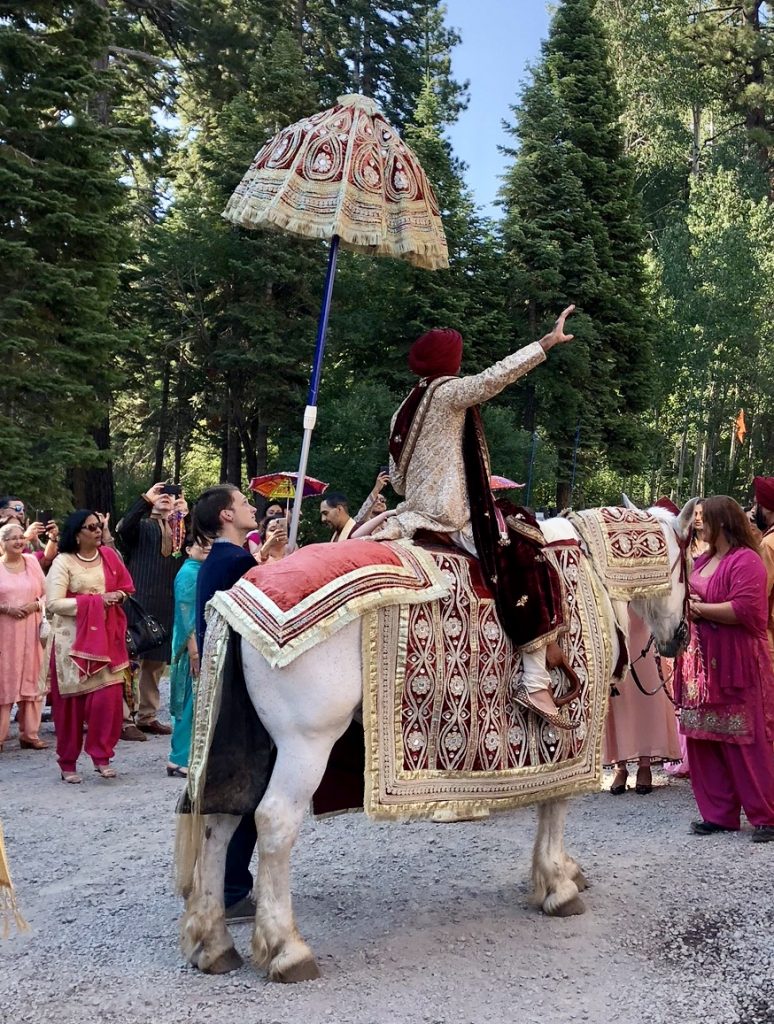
x,y
60,207
573,233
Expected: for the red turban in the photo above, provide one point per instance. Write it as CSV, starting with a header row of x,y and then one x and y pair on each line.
x,y
764,491
436,354
669,505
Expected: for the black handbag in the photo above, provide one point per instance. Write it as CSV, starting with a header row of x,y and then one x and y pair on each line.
x,y
143,632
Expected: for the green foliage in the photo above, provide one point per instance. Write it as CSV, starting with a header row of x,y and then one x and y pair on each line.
x,y
60,242
573,233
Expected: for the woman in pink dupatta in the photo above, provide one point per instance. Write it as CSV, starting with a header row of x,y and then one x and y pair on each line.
x,y
725,682
85,587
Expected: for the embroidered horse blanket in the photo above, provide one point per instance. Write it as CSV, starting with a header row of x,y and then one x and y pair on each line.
x,y
628,549
443,736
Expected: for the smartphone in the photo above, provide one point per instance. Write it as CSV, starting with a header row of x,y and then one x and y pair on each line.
x,y
43,515
173,489
384,469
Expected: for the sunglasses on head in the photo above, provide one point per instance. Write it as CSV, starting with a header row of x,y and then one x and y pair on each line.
x,y
92,527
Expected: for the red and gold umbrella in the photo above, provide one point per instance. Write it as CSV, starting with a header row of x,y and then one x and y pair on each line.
x,y
344,175
282,486
502,483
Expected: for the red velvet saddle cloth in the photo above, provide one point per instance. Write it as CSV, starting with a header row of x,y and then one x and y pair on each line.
x,y
287,607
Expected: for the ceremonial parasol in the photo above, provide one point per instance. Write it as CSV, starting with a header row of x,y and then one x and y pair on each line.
x,y
346,176
502,483
281,486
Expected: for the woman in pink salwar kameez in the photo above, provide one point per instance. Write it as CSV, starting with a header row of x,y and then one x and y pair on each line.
x,y
22,586
725,682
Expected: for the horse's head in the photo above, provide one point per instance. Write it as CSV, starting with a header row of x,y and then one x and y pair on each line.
x,y
666,616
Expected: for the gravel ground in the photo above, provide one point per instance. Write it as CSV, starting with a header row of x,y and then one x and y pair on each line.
x,y
421,922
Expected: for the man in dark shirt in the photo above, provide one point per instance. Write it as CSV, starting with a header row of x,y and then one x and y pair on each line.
x,y
224,517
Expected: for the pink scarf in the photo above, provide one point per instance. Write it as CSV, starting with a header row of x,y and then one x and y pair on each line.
x,y
100,631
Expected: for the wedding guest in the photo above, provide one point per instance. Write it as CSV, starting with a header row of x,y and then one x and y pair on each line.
x,y
22,588
334,513
727,693
275,541
85,588
152,534
184,670
639,728
256,537
223,516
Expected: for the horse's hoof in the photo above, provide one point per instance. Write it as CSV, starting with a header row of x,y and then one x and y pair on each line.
x,y
226,962
581,881
571,908
287,970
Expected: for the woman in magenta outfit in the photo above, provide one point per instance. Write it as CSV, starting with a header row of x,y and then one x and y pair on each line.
x,y
725,682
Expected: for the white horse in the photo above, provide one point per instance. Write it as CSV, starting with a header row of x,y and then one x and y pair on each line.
x,y
306,706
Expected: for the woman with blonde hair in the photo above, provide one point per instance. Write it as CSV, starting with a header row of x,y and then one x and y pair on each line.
x,y
724,680
22,586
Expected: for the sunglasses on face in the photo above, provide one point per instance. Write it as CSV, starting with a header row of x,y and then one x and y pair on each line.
x,y
92,527
16,508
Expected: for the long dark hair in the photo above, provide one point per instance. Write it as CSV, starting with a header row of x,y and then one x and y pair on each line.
x,y
723,513
68,538
206,524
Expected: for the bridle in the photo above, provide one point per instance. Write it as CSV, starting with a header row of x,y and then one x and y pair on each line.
x,y
681,633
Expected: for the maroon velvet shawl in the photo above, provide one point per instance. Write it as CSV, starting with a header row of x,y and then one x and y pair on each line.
x,y
100,632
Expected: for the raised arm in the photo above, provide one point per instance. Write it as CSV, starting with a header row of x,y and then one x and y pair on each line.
x,y
469,391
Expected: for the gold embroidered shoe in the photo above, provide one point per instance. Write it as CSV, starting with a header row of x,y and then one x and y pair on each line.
x,y
522,697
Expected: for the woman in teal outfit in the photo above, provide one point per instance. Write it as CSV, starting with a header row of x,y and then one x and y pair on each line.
x,y
185,659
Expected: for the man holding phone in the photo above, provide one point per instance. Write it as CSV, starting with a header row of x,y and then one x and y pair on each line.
x,y
41,535
151,535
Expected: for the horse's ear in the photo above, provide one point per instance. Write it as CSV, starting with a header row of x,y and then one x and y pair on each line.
x,y
685,519
627,502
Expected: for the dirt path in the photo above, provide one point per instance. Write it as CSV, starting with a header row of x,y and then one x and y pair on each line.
x,y
419,923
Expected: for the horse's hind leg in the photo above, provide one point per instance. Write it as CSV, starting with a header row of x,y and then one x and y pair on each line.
x,y
277,944
555,876
204,937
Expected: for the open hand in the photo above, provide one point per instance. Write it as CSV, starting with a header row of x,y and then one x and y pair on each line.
x,y
557,335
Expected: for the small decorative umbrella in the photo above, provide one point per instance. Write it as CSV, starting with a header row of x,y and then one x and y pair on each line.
x,y
282,486
502,483
346,176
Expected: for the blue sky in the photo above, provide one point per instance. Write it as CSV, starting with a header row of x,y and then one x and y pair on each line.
x,y
499,38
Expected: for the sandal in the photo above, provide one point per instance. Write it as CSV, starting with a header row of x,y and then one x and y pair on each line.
x,y
72,777
105,771
521,696
644,783
175,771
619,786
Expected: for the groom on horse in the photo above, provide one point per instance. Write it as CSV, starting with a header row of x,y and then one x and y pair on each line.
x,y
439,462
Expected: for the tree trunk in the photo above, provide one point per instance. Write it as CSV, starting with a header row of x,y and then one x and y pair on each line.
x,y
563,474
93,487
161,437
234,454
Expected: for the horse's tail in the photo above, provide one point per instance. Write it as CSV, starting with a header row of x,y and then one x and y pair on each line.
x,y
189,837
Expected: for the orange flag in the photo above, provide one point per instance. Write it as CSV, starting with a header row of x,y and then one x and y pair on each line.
x,y
741,427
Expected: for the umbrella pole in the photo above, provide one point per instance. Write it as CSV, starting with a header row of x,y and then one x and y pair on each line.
x,y
310,413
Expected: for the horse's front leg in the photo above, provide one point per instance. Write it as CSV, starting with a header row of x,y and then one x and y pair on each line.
x,y
277,944
204,937
556,878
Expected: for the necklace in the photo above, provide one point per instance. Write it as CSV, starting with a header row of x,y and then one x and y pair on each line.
x,y
93,558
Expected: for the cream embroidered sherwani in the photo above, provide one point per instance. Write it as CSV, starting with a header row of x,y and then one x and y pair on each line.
x,y
434,484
